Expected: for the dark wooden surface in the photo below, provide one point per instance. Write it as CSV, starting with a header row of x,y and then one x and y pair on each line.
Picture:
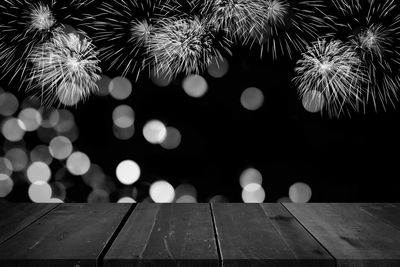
x,y
354,235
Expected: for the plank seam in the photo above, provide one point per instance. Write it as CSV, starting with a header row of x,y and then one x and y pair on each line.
x,y
100,258
316,239
220,263
35,220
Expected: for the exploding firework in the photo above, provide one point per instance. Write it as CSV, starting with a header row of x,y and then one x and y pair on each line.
x,y
372,28
66,67
124,28
290,25
25,23
334,70
185,46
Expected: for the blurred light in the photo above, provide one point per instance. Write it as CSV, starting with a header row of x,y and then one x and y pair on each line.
x,y
185,190
173,138
18,158
162,192
95,177
5,166
6,185
41,153
59,191
155,132
12,130
249,176
60,147
103,85
50,117
55,200
98,196
66,121
128,172
78,163
186,199
123,116
252,98
218,199
218,68
283,200
313,101
194,85
126,200
159,79
38,171
29,119
123,133
253,193
72,134
40,192
71,99
300,193
120,88
8,104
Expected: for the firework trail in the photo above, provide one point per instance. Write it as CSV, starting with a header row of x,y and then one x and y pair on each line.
x,y
333,69
185,46
290,25
373,29
66,67
25,23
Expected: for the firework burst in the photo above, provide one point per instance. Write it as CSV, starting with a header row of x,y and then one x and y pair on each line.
x,y
334,70
25,23
373,29
66,67
185,46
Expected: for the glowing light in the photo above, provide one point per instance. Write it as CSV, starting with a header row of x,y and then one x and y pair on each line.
x,y
126,200
60,147
78,163
41,18
173,138
123,116
218,68
41,153
128,172
40,192
8,104
18,158
6,185
195,85
253,193
186,199
300,193
38,171
120,88
50,117
313,101
123,133
12,130
66,121
185,192
103,84
252,98
6,167
154,132
29,119
250,176
162,192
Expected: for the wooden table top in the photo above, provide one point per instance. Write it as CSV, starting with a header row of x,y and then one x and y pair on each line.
x,y
223,234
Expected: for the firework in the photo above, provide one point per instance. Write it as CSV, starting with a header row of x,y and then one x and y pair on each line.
x,y
334,70
373,29
65,67
25,23
185,46
290,25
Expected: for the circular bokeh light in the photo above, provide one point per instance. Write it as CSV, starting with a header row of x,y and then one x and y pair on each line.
x,y
155,132
195,85
252,98
128,172
78,163
162,192
300,193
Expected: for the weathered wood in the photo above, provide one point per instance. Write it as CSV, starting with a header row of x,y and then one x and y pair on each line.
x,y
247,237
16,216
389,213
70,235
351,235
166,235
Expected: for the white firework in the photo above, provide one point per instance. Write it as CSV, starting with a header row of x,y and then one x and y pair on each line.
x,y
66,67
41,18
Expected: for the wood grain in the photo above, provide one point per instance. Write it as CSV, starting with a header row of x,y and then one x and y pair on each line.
x,y
388,212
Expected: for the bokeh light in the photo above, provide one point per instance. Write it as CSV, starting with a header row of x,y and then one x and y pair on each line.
x,y
40,192
126,200
218,68
8,104
18,158
38,171
94,177
123,133
66,121
162,192
195,85
313,101
60,147
252,98
12,130
5,166
50,117
120,88
155,132
161,80
123,116
29,119
253,193
249,176
173,138
41,153
98,196
78,163
128,172
103,84
219,199
6,185
185,193
300,193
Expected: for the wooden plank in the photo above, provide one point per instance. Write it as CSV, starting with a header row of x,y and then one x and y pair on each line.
x,y
166,235
248,238
351,235
17,216
70,235
388,212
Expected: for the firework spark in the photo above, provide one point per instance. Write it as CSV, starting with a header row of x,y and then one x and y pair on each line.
x,y
65,67
185,46
333,69
373,29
